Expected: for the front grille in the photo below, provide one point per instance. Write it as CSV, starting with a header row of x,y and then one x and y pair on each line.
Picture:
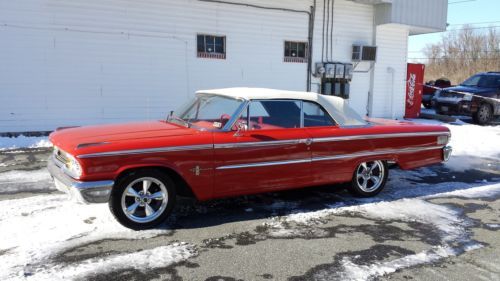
x,y
446,94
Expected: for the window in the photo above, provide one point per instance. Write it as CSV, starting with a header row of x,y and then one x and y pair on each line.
x,y
210,46
296,52
271,114
316,116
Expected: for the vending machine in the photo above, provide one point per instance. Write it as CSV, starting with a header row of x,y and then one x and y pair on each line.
x,y
414,89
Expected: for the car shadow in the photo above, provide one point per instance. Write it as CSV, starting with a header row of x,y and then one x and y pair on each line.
x,y
190,214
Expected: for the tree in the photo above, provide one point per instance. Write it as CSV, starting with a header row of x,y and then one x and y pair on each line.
x,y
463,53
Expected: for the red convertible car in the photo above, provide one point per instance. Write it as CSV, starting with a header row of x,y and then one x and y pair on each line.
x,y
237,141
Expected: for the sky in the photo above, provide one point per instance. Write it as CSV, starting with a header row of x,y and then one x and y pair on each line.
x,y
479,13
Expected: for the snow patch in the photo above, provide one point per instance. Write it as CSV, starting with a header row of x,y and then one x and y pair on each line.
x,y
142,260
23,141
26,181
37,228
365,272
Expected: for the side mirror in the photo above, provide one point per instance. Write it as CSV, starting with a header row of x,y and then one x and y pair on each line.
x,y
241,126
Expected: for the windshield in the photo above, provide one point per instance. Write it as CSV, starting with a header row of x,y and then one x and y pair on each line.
x,y
483,81
206,112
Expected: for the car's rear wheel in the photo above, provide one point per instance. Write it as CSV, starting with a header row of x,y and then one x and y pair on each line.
x,y
483,115
369,178
142,199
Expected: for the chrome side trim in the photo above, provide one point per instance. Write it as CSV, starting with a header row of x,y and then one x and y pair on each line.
x,y
264,164
147,150
326,158
375,153
259,143
379,136
82,145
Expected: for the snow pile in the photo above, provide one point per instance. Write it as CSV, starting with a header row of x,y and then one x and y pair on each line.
x,y
472,140
469,143
23,141
36,229
25,181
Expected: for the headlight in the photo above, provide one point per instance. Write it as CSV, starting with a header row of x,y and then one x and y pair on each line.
x,y
73,167
467,97
68,163
443,140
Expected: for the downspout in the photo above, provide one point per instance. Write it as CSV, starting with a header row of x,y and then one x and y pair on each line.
x,y
312,18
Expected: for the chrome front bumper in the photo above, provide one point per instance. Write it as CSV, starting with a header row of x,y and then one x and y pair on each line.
x,y
83,192
447,153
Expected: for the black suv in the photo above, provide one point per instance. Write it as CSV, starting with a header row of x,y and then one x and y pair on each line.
x,y
478,96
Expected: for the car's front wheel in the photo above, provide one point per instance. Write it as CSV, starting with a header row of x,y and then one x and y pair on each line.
x,y
369,178
142,199
483,115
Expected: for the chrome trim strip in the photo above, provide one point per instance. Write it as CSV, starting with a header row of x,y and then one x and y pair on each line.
x,y
378,136
82,145
374,153
326,158
264,164
259,143
147,150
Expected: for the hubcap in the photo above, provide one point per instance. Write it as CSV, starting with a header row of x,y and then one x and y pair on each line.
x,y
144,200
369,176
484,113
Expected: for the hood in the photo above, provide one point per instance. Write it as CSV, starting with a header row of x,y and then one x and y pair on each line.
x,y
467,89
73,139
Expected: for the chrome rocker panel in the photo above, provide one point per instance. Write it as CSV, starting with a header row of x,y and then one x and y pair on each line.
x,y
90,192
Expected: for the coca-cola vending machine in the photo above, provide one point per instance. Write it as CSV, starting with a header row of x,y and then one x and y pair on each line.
x,y
414,89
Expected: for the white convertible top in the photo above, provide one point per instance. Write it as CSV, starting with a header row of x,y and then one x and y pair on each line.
x,y
336,107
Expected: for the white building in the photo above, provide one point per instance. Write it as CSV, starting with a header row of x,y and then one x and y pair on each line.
x,y
78,62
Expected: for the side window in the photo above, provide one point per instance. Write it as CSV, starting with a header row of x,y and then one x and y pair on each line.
x,y
269,114
315,116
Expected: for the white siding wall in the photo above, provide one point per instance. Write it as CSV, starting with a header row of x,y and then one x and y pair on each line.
x,y
352,24
66,63
389,82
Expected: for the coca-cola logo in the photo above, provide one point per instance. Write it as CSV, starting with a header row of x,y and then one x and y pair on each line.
x,y
410,99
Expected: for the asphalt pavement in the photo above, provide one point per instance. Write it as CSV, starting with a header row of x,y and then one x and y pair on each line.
x,y
428,224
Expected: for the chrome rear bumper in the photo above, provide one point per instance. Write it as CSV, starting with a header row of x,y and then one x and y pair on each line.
x,y
83,192
447,153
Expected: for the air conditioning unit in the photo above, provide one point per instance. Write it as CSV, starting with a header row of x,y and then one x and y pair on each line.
x,y
364,53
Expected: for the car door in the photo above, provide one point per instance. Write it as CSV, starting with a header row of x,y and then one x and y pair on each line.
x,y
272,153
328,146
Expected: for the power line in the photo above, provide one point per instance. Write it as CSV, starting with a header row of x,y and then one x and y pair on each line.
x,y
471,23
454,58
458,2
470,28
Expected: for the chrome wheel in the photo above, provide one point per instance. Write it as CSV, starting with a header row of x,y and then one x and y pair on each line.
x,y
370,176
144,200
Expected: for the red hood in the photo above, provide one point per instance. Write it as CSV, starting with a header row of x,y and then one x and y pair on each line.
x,y
70,139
